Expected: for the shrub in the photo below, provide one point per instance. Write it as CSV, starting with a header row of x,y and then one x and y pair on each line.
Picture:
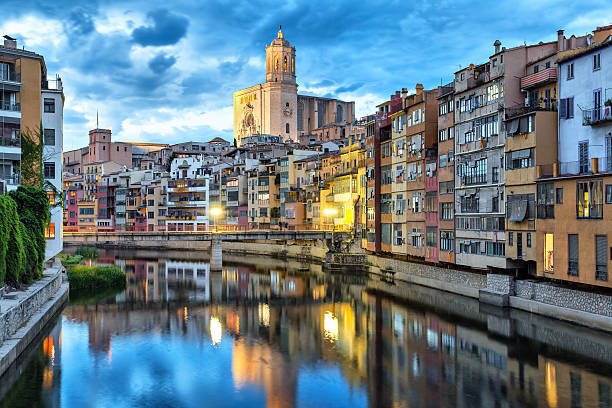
x,y
15,253
70,260
95,277
87,252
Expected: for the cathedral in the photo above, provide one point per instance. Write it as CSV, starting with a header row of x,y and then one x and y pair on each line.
x,y
275,107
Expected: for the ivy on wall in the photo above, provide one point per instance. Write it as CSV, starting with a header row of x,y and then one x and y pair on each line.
x,y
31,157
24,214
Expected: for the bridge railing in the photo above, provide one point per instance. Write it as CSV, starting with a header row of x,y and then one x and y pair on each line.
x,y
156,229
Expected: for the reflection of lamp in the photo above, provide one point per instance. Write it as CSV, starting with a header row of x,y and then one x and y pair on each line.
x,y
330,326
330,211
216,330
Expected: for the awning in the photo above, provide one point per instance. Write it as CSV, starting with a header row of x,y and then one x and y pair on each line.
x,y
521,154
513,126
518,211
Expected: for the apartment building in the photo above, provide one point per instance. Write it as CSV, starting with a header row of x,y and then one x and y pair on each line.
x,y
156,194
421,137
574,204
368,235
264,195
188,195
446,173
399,194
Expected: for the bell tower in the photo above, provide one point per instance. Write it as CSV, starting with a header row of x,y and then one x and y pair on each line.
x,y
280,60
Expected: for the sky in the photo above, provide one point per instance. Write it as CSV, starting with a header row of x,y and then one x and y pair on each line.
x,y
166,71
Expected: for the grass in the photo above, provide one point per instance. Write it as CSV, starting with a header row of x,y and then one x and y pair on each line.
x,y
84,277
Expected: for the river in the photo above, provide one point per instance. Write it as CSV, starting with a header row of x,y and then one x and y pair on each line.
x,y
267,332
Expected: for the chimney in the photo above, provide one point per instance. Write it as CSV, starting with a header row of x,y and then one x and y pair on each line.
x,y
404,93
560,41
497,44
471,66
10,42
419,89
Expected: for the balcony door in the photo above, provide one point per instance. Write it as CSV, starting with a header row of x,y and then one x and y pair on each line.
x,y
596,105
519,245
583,156
609,152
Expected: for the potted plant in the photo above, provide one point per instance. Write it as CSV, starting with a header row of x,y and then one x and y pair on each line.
x,y
608,102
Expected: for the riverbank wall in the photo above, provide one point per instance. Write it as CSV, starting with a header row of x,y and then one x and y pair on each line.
x,y
541,297
23,314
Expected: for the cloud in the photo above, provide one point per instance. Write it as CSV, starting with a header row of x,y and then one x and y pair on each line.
x,y
349,88
167,29
161,63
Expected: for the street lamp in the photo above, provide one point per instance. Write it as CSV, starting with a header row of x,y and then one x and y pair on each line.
x,y
215,211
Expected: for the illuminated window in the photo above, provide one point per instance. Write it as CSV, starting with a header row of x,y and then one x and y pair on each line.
x,y
276,63
51,196
50,231
548,253
285,65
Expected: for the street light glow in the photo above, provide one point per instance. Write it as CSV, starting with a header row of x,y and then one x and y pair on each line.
x,y
215,211
330,211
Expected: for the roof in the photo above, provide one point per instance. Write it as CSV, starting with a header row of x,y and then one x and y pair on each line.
x,y
583,51
218,140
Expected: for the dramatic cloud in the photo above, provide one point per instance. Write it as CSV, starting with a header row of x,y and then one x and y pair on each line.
x,y
167,29
168,74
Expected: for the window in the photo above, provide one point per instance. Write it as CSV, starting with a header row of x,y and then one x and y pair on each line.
x,y
386,203
397,235
49,105
475,172
447,241
548,253
150,203
151,215
520,159
442,135
570,71
286,128
572,254
443,160
469,204
529,240
446,187
546,206
432,237
462,76
451,132
601,259
589,199
50,231
263,212
566,108
385,233
510,238
583,156
559,195
446,211
451,156
608,193
49,137
417,238
49,170
495,175
596,62
536,69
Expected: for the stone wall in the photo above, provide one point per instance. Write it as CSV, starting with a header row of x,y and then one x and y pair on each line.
x,y
557,295
500,283
16,312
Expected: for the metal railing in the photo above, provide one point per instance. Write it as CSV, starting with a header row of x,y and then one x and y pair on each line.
x,y
596,115
193,228
10,141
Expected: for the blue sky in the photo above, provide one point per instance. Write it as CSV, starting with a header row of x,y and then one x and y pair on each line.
x,y
166,71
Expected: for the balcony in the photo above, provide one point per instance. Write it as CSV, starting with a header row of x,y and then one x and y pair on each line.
x,y
13,180
8,106
596,116
546,76
10,141
519,110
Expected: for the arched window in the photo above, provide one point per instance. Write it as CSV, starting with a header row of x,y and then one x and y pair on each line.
x,y
293,65
338,113
286,128
300,115
285,65
276,63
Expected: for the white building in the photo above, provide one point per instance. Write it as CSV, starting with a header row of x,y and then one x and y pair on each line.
x,y
52,100
188,195
585,110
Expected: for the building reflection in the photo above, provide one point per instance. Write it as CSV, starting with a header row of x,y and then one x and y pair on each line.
x,y
279,321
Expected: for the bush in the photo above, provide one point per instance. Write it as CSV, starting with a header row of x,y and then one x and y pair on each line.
x,y
95,277
15,253
70,260
87,252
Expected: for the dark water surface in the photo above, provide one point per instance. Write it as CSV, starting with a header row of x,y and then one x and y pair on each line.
x,y
273,333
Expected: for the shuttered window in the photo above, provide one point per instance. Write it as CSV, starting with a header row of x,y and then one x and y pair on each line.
x,y
583,156
572,254
601,258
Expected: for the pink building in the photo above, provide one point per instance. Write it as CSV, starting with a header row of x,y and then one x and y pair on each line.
x,y
101,149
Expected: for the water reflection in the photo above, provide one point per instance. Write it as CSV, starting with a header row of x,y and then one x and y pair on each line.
x,y
270,335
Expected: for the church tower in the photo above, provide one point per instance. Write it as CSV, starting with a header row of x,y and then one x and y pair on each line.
x,y
280,60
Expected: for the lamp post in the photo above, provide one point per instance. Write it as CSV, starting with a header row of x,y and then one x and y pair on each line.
x,y
215,211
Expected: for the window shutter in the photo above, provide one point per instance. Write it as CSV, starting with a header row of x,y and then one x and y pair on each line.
x,y
572,241
601,259
570,107
563,108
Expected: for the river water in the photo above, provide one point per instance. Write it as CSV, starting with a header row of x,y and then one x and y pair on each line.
x,y
265,332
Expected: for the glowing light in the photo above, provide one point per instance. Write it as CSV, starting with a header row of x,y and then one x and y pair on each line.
x,y
185,313
264,314
330,211
216,330
215,211
330,326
